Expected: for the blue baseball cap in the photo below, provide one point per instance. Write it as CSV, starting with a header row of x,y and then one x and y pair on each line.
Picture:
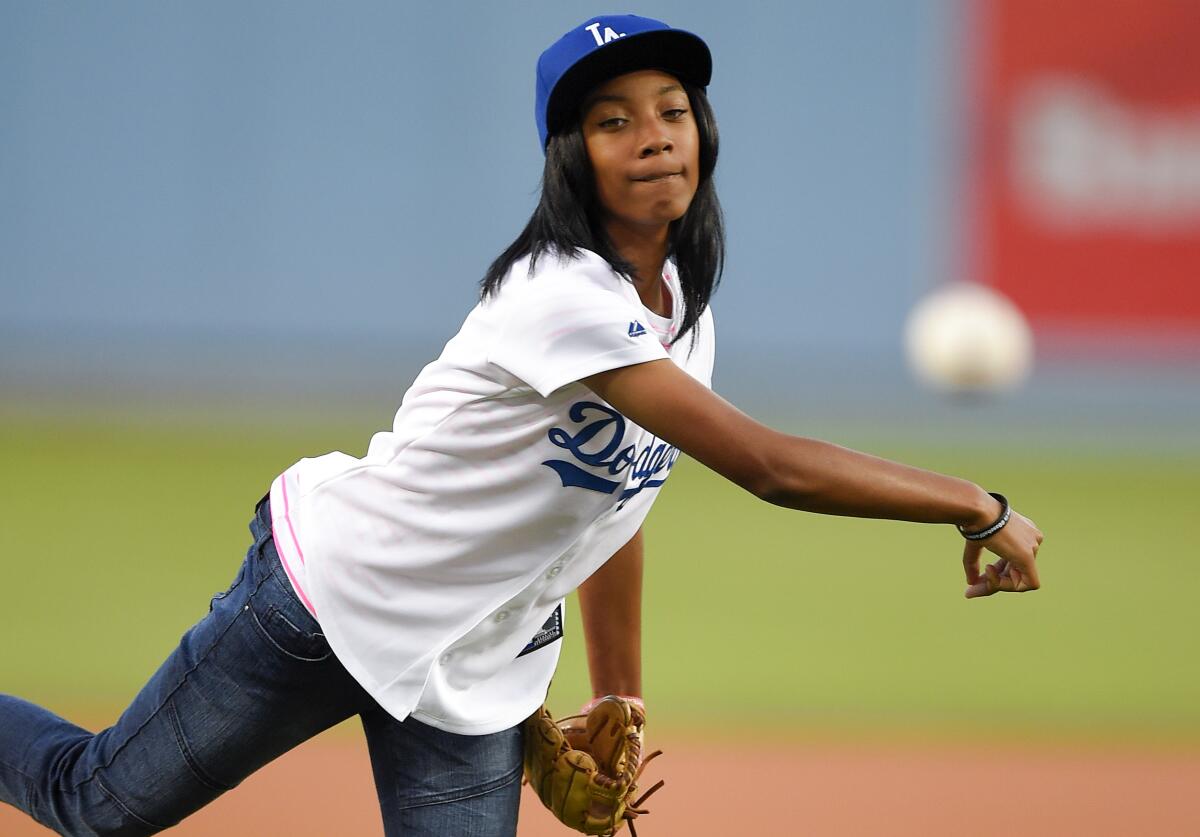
x,y
605,47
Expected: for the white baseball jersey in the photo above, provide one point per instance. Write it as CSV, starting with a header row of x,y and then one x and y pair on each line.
x,y
437,564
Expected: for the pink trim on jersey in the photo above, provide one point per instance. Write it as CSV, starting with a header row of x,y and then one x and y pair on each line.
x,y
295,544
286,508
670,300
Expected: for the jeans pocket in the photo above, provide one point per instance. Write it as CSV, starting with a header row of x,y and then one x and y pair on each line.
x,y
283,631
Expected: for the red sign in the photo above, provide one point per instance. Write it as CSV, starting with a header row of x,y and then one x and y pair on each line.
x,y
1086,161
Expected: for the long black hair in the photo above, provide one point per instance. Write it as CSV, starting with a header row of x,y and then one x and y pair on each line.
x,y
569,217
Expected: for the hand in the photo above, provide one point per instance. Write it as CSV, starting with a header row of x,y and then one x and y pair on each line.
x,y
1016,570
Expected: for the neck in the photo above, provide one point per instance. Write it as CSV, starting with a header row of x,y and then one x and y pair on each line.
x,y
644,247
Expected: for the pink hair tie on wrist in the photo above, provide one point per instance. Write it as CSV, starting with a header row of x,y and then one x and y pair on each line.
x,y
591,704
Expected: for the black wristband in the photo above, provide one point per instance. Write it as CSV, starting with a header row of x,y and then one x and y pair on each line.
x,y
1001,521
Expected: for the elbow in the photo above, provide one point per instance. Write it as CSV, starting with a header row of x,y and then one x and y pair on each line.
x,y
782,474
775,489
762,482
776,495
772,480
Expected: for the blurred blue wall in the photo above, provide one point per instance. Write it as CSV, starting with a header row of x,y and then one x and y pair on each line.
x,y
345,172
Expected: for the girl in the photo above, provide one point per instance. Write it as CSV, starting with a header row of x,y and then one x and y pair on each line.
x,y
420,587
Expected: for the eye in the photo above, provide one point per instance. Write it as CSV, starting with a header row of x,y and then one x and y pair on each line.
x,y
613,122
675,113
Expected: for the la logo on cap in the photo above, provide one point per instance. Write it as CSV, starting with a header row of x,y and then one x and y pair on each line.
x,y
609,34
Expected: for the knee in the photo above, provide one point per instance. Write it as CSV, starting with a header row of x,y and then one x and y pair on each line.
x,y
93,811
72,796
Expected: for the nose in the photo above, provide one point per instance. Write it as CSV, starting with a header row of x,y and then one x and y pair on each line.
x,y
656,143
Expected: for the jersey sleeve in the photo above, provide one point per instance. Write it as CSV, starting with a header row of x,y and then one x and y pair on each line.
x,y
569,323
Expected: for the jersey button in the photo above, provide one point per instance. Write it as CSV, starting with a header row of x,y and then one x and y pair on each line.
x,y
553,572
446,658
501,616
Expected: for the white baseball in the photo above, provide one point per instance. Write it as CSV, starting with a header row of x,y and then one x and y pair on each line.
x,y
965,337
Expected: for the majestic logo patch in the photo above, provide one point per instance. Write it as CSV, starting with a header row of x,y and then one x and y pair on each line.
x,y
551,631
599,444
636,329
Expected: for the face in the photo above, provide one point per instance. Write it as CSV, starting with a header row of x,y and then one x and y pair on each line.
x,y
642,140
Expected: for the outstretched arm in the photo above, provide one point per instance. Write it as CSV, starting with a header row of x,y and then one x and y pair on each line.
x,y
610,603
812,475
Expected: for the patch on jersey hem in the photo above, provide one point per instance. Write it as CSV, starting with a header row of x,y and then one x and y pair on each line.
x,y
551,631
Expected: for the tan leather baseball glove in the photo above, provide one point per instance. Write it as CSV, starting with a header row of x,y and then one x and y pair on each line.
x,y
585,768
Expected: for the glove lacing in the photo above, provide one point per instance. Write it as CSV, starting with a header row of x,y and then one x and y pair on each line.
x,y
633,809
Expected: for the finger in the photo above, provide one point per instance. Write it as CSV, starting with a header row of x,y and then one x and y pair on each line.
x,y
971,552
978,590
1031,576
1014,577
1021,584
993,577
985,585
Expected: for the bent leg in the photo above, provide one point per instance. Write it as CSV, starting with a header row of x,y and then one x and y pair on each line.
x,y
36,747
251,680
433,783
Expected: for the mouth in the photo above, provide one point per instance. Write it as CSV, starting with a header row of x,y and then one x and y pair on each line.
x,y
658,177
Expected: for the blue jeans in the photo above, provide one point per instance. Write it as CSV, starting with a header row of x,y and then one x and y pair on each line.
x,y
250,681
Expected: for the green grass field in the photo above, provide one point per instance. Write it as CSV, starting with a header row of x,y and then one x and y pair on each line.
x,y
116,533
